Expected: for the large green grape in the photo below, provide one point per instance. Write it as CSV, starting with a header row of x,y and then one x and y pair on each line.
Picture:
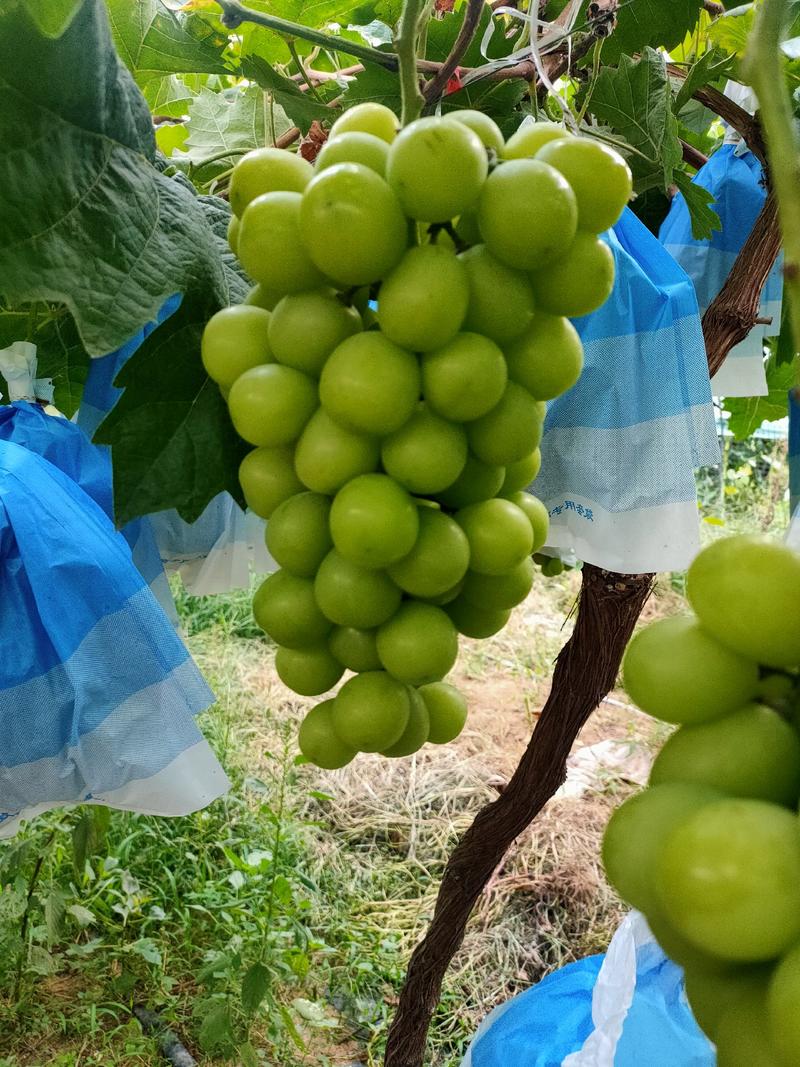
x,y
527,214
419,644
426,454
465,378
447,711
745,591
308,671
298,537
477,481
499,535
285,608
783,997
329,455
267,478
579,282
354,596
728,879
439,559
675,670
510,431
474,621
521,474
537,516
375,119
356,649
352,224
501,302
499,591
743,1036
548,358
436,167
319,742
234,340
712,992
306,327
370,384
355,146
417,729
636,833
374,521
423,301
599,176
531,137
267,170
270,246
261,297
270,404
486,128
371,711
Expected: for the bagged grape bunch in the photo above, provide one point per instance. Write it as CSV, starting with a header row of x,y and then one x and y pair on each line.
x,y
710,851
392,447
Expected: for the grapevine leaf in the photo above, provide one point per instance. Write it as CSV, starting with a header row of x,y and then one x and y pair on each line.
x,y
52,17
442,34
698,200
730,32
661,23
636,101
62,357
219,123
169,95
260,41
783,345
152,40
498,100
710,67
112,238
301,108
254,987
374,83
748,413
172,441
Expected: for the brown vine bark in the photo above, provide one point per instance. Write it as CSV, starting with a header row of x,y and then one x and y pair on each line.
x,y
586,669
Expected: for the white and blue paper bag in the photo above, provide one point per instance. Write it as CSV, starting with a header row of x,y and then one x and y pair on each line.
x,y
620,448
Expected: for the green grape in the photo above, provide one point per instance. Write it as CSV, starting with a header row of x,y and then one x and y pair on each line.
x,y
501,302
375,119
426,454
473,621
676,671
485,128
548,358
776,689
552,567
267,170
477,481
447,597
527,214
499,535
537,516
579,282
782,1001
423,301
467,227
743,1036
529,138
599,176
328,455
728,879
286,610
419,644
308,671
371,711
439,559
355,147
745,591
416,732
465,378
267,478
370,384
270,247
306,327
752,752
499,591
235,340
270,405
374,521
352,224
319,742
233,234
264,298
447,711
297,534
635,837
521,474
510,431
711,993
681,951
354,596
355,649
436,168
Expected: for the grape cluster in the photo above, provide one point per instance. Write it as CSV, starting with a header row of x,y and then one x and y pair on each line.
x,y
710,851
391,368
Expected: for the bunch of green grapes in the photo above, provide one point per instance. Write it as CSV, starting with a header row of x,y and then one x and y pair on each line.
x,y
710,851
390,369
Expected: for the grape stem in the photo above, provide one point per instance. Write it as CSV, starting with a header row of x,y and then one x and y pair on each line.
x,y
438,83
405,44
764,67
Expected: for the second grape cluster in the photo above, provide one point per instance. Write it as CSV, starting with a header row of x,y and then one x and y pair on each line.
x,y
391,368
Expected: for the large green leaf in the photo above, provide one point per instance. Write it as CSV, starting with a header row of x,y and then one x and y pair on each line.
x,y
374,83
698,200
169,95
103,232
219,122
52,17
62,357
660,23
258,40
152,40
748,413
300,107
